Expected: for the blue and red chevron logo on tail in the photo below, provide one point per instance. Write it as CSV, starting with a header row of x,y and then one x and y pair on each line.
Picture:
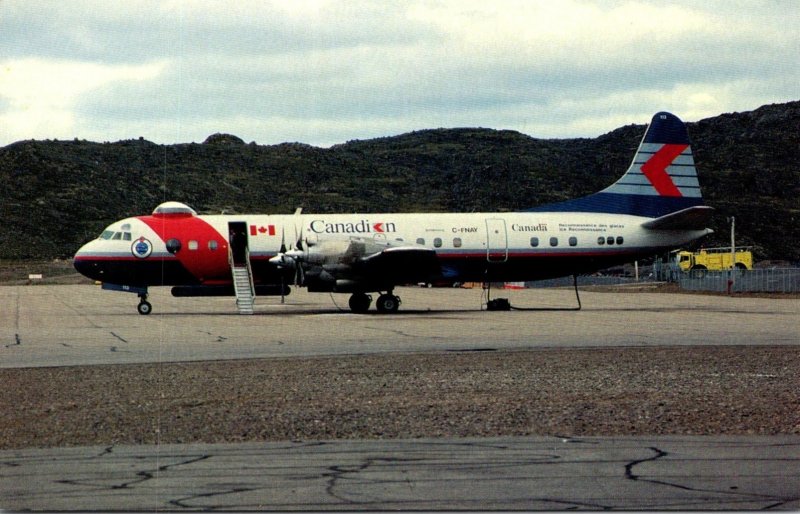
x,y
655,169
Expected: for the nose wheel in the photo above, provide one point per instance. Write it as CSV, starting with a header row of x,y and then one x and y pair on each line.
x,y
144,306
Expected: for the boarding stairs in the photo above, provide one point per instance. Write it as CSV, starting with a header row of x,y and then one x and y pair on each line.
x,y
243,286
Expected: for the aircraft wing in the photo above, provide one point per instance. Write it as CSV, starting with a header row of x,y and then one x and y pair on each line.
x,y
400,264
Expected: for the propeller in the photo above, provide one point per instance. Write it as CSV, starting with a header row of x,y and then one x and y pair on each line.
x,y
291,257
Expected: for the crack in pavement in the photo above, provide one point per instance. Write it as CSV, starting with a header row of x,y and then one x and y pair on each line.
x,y
182,502
141,476
17,341
733,491
118,337
541,473
389,330
76,311
220,339
401,332
337,473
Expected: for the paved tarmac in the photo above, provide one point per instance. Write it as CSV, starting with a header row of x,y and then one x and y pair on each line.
x,y
83,325
76,325
528,473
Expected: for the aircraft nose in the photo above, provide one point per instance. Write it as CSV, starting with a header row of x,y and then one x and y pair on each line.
x,y
84,264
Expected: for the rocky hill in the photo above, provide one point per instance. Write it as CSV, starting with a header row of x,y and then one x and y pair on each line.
x,y
56,195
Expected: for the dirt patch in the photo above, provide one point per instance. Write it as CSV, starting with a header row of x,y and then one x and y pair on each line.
x,y
56,272
607,391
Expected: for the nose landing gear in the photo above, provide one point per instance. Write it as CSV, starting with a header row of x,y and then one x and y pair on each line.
x,y
144,306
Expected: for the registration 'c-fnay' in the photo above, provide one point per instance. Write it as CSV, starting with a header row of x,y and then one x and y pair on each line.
x,y
654,207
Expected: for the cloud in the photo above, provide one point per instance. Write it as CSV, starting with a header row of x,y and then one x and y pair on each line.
x,y
324,72
40,95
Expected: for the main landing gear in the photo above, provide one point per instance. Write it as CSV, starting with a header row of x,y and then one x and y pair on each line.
x,y
387,303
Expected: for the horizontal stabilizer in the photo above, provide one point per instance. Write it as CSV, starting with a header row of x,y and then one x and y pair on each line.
x,y
693,218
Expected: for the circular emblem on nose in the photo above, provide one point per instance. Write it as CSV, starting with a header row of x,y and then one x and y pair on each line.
x,y
142,248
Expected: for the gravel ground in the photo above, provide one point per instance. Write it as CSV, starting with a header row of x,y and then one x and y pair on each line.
x,y
598,391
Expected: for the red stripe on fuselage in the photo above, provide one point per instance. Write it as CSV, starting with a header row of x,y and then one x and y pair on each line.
x,y
203,262
655,169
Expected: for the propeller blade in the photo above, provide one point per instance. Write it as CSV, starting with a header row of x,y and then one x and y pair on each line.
x,y
298,270
297,235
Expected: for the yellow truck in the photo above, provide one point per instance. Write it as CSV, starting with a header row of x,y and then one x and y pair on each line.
x,y
714,259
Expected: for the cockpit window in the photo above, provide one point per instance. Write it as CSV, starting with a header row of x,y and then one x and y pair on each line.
x,y
116,236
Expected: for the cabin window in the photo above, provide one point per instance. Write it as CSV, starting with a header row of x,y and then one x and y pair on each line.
x,y
420,240
173,246
534,242
437,242
619,240
610,240
213,245
107,234
126,236
192,245
601,240
456,242
553,241
573,241
117,236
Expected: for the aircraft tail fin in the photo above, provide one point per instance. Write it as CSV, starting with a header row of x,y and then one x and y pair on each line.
x,y
662,178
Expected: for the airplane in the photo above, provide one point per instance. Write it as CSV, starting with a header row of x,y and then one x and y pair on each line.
x,y
654,207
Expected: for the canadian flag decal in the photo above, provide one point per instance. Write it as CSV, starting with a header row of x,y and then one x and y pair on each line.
x,y
262,230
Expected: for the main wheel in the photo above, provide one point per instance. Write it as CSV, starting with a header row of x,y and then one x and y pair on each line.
x,y
387,303
144,307
360,302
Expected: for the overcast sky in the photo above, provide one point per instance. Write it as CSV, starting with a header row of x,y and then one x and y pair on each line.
x,y
325,72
